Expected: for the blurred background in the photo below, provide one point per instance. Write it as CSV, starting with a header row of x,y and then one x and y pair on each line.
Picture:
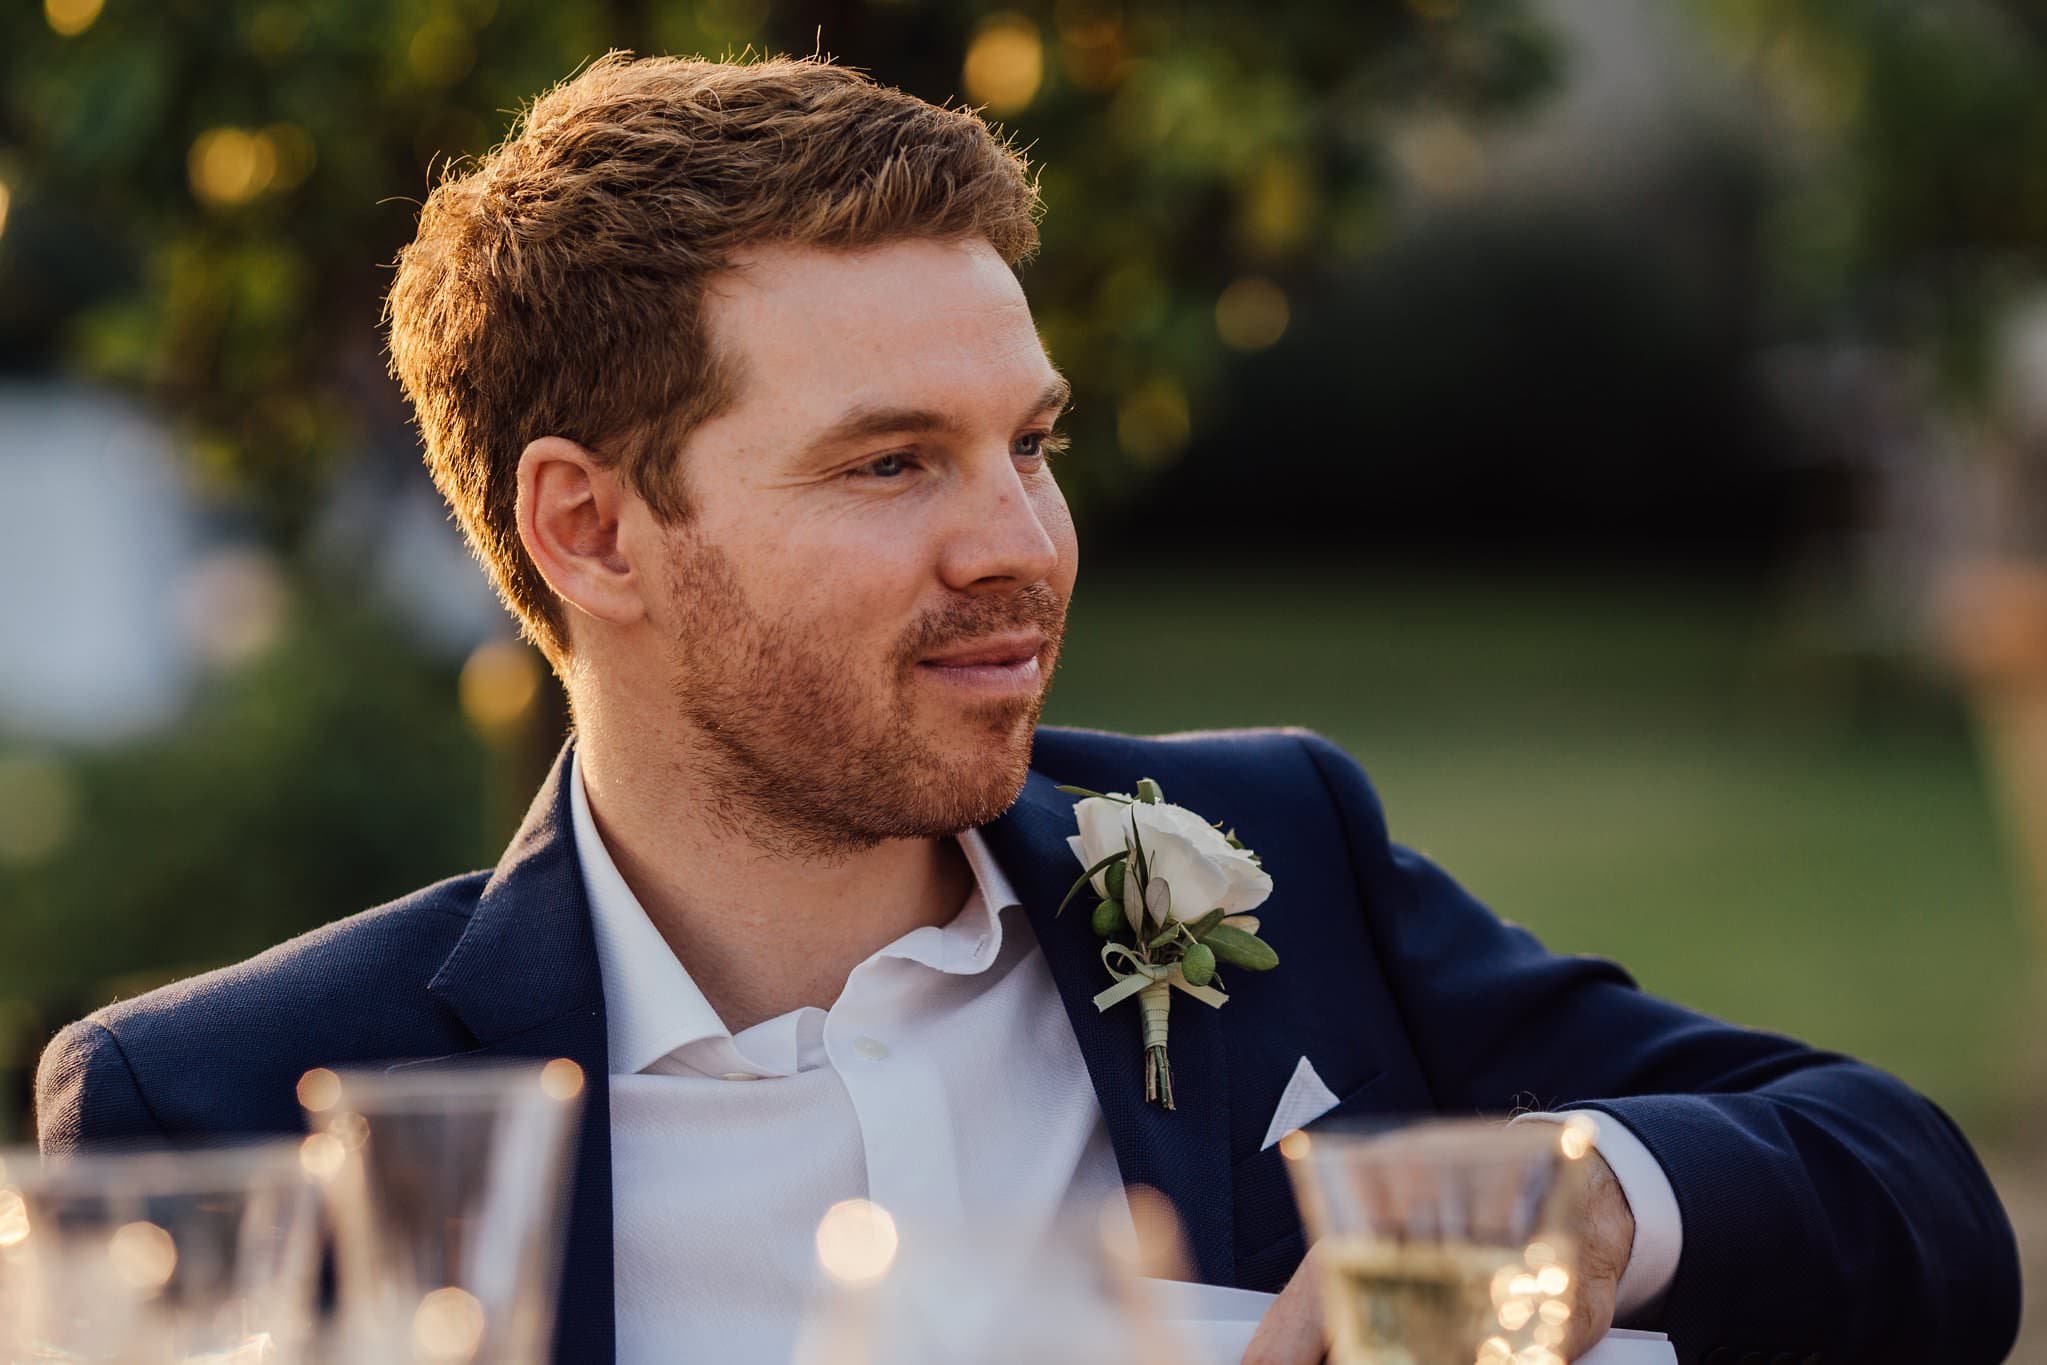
x,y
1623,427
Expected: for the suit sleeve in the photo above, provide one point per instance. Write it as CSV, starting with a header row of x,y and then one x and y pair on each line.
x,y
87,1094
1828,1210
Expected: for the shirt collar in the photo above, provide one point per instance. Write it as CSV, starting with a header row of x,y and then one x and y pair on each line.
x,y
652,1007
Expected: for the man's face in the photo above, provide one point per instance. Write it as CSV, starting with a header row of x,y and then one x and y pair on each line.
x,y
867,599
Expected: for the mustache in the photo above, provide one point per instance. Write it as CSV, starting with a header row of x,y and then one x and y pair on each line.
x,y
1035,607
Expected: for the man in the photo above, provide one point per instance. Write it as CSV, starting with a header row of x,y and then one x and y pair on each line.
x,y
726,373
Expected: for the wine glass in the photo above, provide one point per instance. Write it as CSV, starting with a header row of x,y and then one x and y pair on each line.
x,y
1444,1242
157,1257
448,1189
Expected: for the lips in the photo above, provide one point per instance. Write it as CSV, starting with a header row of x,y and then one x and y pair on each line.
x,y
1007,651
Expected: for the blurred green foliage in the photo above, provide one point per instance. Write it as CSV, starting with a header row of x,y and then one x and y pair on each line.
x,y
1915,200
329,774
205,192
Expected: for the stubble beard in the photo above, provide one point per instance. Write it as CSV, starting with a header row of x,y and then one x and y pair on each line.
x,y
802,752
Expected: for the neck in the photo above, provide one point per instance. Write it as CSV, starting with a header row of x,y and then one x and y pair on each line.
x,y
762,931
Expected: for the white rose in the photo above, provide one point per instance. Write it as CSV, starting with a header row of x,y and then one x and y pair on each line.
x,y
1190,855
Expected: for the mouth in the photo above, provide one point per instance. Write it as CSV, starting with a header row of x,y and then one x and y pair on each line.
x,y
1007,664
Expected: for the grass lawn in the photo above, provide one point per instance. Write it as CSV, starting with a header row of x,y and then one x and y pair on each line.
x,y
1651,773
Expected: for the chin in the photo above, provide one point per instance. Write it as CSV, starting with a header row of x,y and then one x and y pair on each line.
x,y
984,770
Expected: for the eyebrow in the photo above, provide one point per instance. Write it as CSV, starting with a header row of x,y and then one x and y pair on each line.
x,y
863,422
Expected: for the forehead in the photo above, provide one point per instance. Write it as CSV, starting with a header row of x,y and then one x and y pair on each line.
x,y
811,330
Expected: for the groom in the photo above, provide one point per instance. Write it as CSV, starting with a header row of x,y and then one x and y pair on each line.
x,y
727,375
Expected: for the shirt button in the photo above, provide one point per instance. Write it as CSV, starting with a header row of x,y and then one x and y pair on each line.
x,y
739,1076
873,1049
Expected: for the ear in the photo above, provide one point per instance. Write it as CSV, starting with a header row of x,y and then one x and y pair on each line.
x,y
569,513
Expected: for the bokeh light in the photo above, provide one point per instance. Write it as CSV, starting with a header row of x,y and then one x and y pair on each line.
x,y
230,166
1441,155
319,1089
561,1079
856,1241
1152,421
1278,208
72,17
1578,1137
143,1256
322,1156
6,201
39,803
442,51
448,1326
1005,63
500,682
1251,314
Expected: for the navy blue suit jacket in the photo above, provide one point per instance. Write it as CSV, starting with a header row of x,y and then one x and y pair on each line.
x,y
1829,1213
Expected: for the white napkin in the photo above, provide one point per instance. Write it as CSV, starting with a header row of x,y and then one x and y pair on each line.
x,y
1218,1322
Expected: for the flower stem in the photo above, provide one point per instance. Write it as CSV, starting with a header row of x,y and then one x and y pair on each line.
x,y
1153,1002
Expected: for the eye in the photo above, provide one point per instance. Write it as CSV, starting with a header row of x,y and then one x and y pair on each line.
x,y
889,466
1037,445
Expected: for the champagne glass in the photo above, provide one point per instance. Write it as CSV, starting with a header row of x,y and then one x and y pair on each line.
x,y
156,1258
447,1190
1446,1242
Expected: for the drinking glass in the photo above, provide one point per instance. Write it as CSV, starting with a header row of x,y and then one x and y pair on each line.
x,y
447,1189
1445,1242
1022,1290
151,1258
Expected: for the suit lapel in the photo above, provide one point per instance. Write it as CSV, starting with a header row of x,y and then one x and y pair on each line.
x,y
524,980
1184,1153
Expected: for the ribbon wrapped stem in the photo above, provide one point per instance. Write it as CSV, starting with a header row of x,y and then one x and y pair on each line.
x,y
1154,1002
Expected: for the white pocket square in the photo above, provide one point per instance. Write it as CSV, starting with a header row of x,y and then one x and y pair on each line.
x,y
1306,1099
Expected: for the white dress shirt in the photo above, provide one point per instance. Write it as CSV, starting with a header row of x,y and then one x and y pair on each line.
x,y
944,1084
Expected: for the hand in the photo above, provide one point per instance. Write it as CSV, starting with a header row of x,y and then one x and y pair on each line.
x,y
1292,1332
1606,1238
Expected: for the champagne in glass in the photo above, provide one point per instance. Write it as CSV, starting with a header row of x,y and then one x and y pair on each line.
x,y
1443,1243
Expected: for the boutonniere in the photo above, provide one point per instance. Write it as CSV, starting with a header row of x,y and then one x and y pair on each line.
x,y
1173,893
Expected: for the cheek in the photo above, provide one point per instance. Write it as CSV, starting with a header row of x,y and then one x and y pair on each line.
x,y
859,589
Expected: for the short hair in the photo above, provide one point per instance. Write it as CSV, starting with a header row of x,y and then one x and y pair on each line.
x,y
555,286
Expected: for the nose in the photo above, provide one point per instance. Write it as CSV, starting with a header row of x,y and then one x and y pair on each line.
x,y
1000,540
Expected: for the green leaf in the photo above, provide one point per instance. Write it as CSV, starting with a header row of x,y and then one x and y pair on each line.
x,y
1198,966
1199,929
1085,877
1158,900
1108,918
1149,791
1137,852
1240,949
1083,791
1164,936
